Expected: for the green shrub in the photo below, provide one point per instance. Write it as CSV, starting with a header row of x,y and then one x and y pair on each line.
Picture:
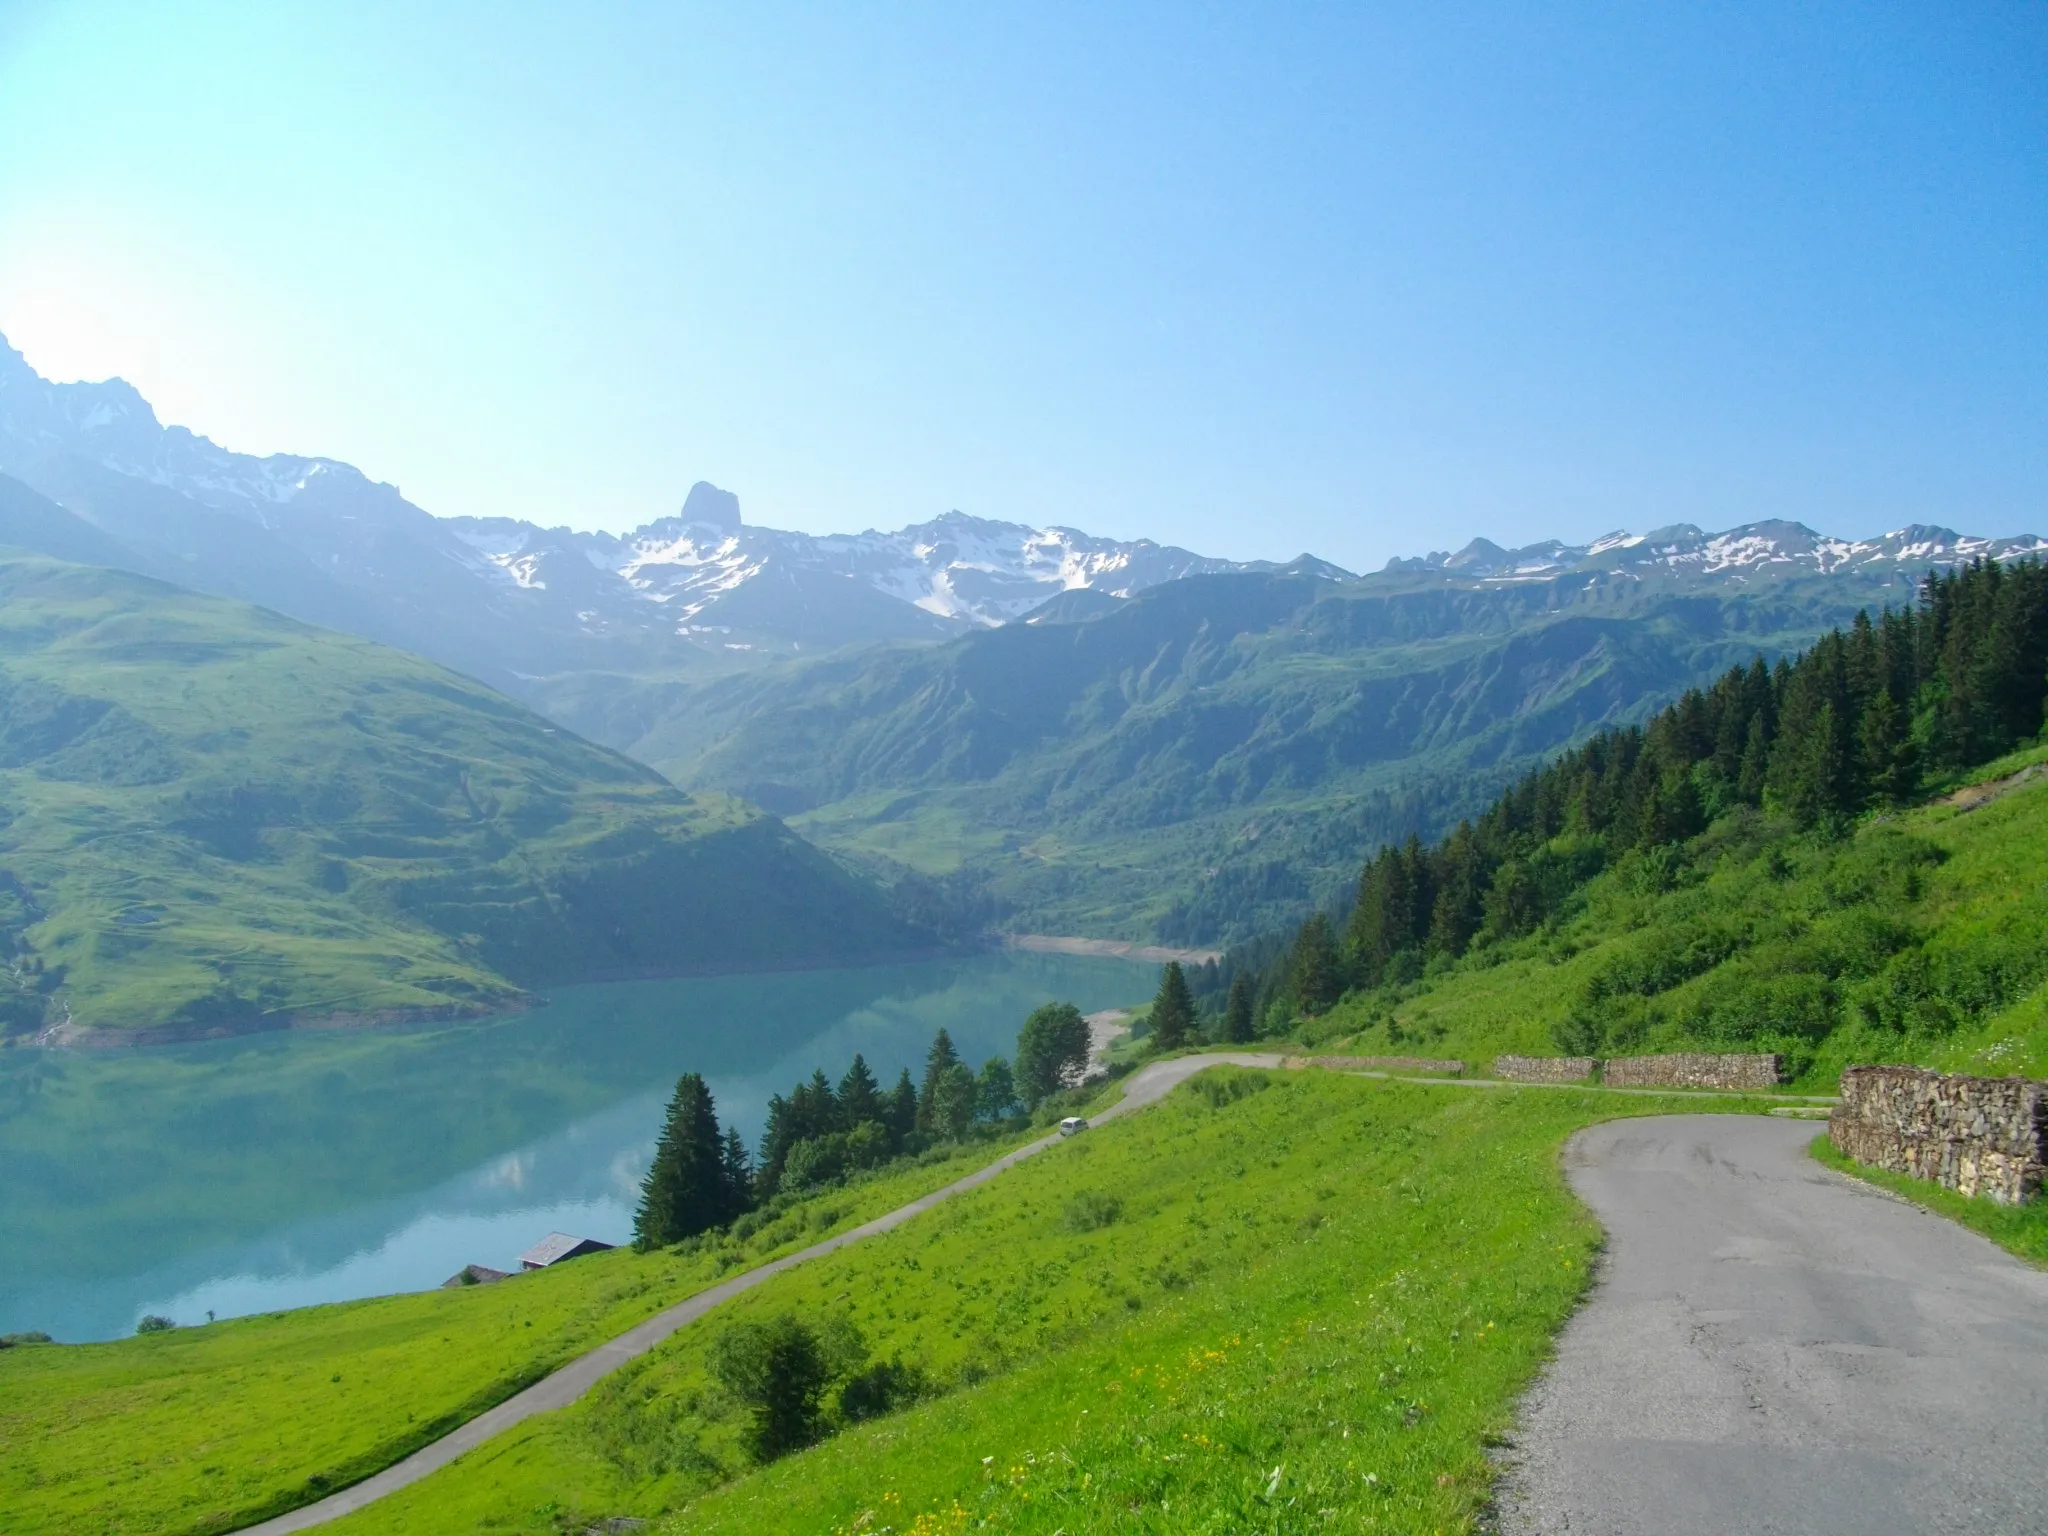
x,y
814,1163
1754,1007
778,1368
882,1387
1221,1086
1090,1211
867,1145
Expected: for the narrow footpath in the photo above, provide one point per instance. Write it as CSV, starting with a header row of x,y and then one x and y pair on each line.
x,y
1774,1347
1148,1085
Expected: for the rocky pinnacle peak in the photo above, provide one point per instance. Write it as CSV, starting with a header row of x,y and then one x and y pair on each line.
x,y
708,507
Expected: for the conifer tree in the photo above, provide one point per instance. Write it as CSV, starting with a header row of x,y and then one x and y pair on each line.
x,y
1514,904
1818,777
1889,760
1756,760
685,1191
860,1096
938,1061
1237,1012
1312,968
1173,1009
815,1108
778,1134
738,1169
899,1110
1455,914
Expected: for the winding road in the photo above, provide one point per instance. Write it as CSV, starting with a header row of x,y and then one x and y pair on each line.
x,y
564,1386
1773,1347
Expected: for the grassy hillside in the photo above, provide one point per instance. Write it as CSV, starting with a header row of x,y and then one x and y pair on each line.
x,y
207,1429
215,818
1830,859
1285,1302
1205,760
1915,938
1289,1299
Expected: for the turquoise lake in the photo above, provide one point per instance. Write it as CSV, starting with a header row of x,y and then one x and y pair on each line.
x,y
280,1170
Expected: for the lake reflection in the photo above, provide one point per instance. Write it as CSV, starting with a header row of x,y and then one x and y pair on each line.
x,y
281,1170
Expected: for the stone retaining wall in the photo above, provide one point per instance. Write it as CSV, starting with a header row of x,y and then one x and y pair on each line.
x,y
1389,1064
1691,1070
1976,1135
1544,1069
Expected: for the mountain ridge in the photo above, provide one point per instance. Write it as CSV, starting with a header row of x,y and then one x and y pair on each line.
x,y
215,819
1165,741
511,601
1771,547
701,587
1188,764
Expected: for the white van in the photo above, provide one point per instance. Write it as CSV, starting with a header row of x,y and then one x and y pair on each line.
x,y
1072,1125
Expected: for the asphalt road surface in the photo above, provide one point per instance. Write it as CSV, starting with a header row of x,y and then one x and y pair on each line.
x,y
1146,1086
1772,1347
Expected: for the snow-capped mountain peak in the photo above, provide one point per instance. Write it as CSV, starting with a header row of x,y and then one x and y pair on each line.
x,y
1773,547
960,571
507,598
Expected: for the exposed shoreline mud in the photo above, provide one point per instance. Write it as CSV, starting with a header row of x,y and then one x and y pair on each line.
x,y
1109,949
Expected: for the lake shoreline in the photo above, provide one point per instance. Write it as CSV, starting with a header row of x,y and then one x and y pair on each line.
x,y
293,1167
1109,949
113,1037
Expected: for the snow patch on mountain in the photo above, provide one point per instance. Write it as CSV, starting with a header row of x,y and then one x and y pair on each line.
x,y
1767,548
517,592
963,570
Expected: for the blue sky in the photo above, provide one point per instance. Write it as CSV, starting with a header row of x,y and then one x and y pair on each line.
x,y
1366,280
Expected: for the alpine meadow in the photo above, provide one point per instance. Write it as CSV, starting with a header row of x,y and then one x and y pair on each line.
x,y
912,771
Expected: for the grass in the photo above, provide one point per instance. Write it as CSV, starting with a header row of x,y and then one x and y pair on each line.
x,y
2021,1230
206,1429
1914,939
1277,1302
215,817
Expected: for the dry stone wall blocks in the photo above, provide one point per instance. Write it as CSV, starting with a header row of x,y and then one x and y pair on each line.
x,y
1983,1136
1544,1069
1688,1069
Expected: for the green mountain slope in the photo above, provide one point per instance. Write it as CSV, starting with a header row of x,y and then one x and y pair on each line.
x,y
1202,761
214,818
1916,939
1782,862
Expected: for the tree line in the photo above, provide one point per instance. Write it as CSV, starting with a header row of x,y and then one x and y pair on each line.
x,y
703,1176
1863,721
802,1379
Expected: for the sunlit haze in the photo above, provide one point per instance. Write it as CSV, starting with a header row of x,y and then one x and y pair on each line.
x,y
1364,281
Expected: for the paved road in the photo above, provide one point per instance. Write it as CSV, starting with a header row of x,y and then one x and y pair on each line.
x,y
1773,1347
1146,1086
